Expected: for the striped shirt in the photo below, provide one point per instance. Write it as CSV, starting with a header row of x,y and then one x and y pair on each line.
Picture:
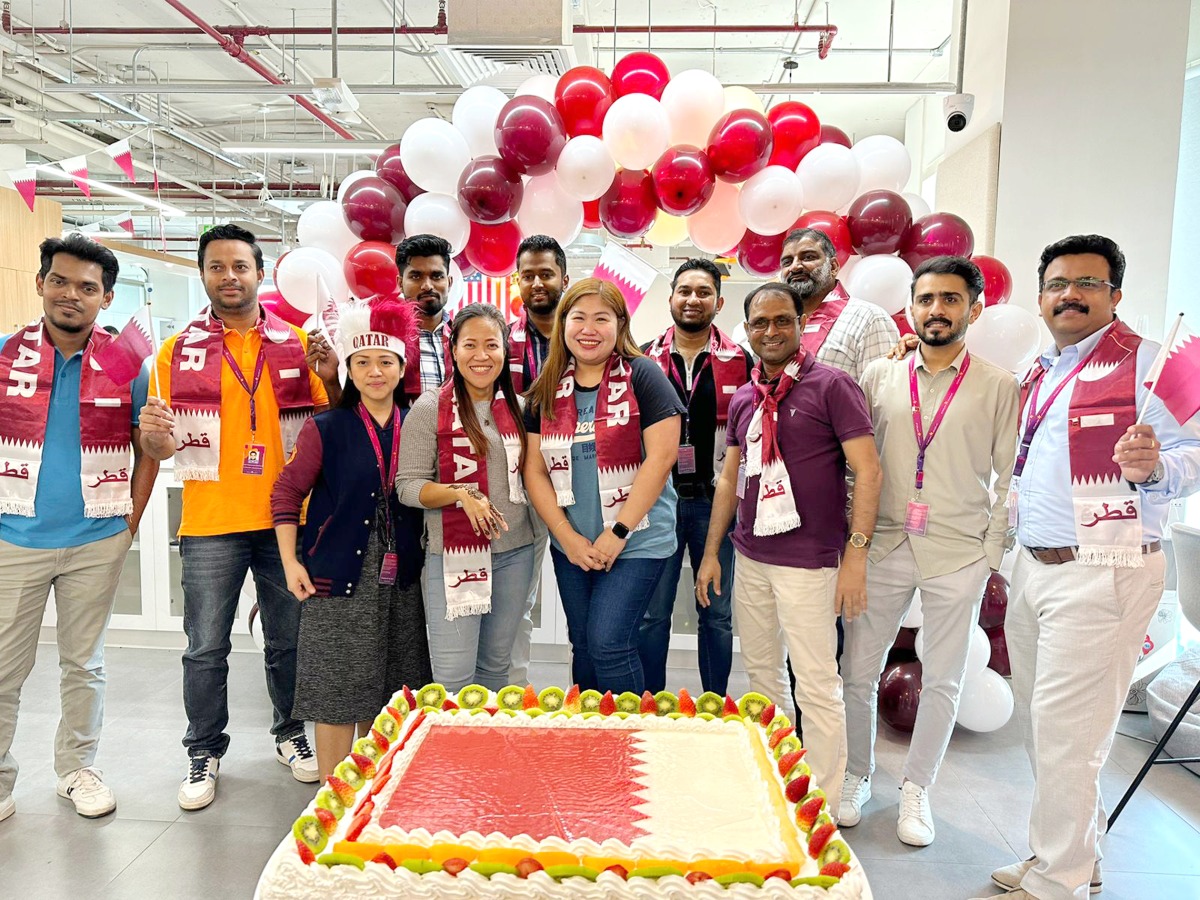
x,y
433,355
861,334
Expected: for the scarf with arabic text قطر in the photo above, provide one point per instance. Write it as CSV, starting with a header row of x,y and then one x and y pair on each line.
x,y
775,512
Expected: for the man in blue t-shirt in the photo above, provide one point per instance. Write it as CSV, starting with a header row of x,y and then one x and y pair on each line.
x,y
65,522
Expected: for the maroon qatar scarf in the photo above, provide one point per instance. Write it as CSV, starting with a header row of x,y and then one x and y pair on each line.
x,y
728,362
27,378
467,556
775,512
618,438
822,319
196,362
518,348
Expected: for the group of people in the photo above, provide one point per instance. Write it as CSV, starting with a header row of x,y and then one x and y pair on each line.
x,y
401,473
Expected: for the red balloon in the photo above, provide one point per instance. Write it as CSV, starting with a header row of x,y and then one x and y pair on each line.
x,y
640,73
832,226
759,254
289,313
269,298
490,190
464,264
997,280
796,129
995,602
628,207
390,169
530,134
683,180
739,145
583,96
591,214
374,210
902,323
370,270
899,694
878,221
831,134
937,234
999,642
492,249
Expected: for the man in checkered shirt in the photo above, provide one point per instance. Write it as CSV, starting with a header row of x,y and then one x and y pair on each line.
x,y
841,331
424,264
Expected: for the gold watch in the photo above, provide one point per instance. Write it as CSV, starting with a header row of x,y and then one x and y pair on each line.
x,y
859,540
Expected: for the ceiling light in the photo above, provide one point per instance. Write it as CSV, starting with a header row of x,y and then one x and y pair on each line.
x,y
294,148
165,208
334,95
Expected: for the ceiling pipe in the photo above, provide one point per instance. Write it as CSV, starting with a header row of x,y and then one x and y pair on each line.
x,y
240,32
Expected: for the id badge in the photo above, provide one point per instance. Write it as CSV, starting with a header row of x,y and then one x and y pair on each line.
x,y
687,459
741,482
1012,504
916,518
387,570
253,459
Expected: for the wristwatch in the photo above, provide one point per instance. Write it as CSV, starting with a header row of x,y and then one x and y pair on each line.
x,y
1159,473
859,540
620,530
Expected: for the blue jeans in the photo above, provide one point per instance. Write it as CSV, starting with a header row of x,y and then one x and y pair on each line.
x,y
477,649
214,567
715,628
604,611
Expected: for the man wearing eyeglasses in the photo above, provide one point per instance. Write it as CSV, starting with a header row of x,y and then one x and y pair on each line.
x,y
798,562
1098,463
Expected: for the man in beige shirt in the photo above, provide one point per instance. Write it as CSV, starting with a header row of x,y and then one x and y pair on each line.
x,y
945,421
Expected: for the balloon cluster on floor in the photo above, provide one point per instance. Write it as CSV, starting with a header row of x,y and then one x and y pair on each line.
x,y
642,155
986,700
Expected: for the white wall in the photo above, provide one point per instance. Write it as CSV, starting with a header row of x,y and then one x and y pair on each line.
x,y
1183,292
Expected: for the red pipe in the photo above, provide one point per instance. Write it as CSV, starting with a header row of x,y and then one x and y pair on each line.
x,y
234,48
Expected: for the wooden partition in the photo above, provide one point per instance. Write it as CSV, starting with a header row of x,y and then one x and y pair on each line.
x,y
21,231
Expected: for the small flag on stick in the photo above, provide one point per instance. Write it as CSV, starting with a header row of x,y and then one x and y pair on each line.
x,y
1175,376
122,358
630,273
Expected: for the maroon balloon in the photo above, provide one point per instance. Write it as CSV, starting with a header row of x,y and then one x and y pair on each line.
x,y
831,134
583,95
490,190
464,264
628,207
591,214
832,226
683,180
796,130
878,221
530,134
937,234
995,602
902,323
640,73
390,169
899,694
759,254
999,642
997,280
370,270
492,249
904,648
739,145
374,210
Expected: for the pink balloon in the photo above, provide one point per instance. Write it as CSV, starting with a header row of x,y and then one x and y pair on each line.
x,y
683,180
878,221
390,169
374,210
796,130
492,249
628,207
937,234
759,254
640,73
464,264
740,144
269,298
831,134
530,134
997,280
490,190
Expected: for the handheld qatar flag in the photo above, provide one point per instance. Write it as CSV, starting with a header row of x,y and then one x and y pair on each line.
x,y
1175,376
122,358
630,273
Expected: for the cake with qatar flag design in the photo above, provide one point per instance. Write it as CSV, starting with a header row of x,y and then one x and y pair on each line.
x,y
557,794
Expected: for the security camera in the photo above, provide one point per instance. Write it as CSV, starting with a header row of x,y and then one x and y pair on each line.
x,y
958,108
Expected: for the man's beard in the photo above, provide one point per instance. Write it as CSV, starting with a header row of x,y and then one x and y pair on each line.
x,y
544,306
817,282
946,337
431,304
692,327
70,327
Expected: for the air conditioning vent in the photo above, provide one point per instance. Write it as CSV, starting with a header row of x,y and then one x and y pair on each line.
x,y
505,67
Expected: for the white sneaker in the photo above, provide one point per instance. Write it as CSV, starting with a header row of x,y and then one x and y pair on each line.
x,y
8,806
200,787
856,791
296,754
1009,877
915,825
83,787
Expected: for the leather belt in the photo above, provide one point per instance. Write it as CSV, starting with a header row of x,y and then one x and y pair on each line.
x,y
692,490
1053,556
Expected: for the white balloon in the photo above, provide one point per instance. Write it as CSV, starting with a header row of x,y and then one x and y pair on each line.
x,y
738,97
979,654
693,101
883,280
323,226
1005,335
438,214
986,701
829,175
538,86
846,268
547,209
585,168
434,153
458,289
475,114
296,277
771,200
636,131
718,225
917,204
350,179
915,617
883,163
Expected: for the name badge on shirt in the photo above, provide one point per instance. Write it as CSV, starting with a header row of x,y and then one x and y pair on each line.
x,y
388,569
687,459
741,482
253,459
916,518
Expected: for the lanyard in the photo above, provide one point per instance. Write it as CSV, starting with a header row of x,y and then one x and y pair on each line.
x,y
688,394
250,389
924,440
387,477
1037,415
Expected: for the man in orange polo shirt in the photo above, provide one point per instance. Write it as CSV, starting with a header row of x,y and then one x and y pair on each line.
x,y
228,397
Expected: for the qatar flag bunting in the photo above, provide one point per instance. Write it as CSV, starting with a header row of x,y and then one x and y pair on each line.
x,y
77,168
630,273
126,222
25,181
122,157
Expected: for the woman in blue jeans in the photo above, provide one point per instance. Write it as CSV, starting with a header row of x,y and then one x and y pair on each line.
x,y
603,426
460,461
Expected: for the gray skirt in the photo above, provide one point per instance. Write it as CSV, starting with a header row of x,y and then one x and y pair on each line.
x,y
353,654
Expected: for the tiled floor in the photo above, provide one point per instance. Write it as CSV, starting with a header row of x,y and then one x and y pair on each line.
x,y
151,849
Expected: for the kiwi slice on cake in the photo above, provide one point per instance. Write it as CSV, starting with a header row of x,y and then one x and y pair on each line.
x,y
368,748
789,744
589,701
509,697
349,773
628,702
780,721
309,831
387,726
327,799
710,703
432,696
835,851
666,703
473,696
551,699
821,881
341,859
752,705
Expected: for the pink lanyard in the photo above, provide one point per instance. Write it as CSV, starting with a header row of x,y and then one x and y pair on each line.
x,y
1038,415
924,440
386,478
250,389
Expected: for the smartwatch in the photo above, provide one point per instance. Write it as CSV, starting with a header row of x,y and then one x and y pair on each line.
x,y
620,530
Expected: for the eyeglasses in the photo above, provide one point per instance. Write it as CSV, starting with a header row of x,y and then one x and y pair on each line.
x,y
781,323
1087,285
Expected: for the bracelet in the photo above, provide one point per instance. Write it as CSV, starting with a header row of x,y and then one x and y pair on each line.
x,y
559,525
